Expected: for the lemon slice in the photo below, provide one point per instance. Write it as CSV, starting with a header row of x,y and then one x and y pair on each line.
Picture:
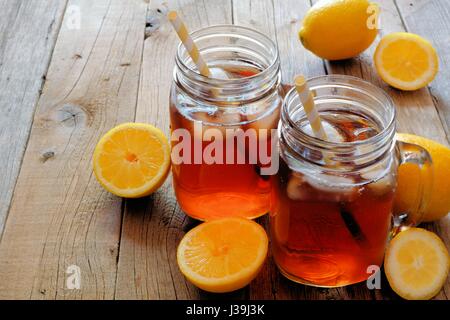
x,y
416,264
223,255
406,61
132,160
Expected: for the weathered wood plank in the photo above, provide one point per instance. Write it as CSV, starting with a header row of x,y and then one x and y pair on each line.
x,y
259,15
153,227
28,31
60,216
430,19
287,17
274,20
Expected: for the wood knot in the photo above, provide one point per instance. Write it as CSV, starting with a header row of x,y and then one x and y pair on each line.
x,y
70,115
47,154
113,251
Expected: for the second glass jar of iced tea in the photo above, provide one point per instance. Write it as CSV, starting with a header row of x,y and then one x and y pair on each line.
x,y
332,200
222,125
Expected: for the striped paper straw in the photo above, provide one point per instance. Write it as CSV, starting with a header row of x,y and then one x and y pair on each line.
x,y
307,101
313,116
188,43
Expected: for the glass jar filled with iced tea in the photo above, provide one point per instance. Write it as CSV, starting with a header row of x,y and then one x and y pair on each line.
x,y
222,125
332,201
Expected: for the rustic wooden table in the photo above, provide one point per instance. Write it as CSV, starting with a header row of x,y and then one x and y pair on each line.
x,y
72,69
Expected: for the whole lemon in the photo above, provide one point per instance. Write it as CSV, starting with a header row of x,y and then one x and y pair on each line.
x,y
339,29
439,202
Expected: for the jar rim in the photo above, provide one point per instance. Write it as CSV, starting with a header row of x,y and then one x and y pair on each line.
x,y
340,80
197,34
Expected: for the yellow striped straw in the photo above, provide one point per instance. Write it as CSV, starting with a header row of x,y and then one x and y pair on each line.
x,y
188,43
307,101
313,116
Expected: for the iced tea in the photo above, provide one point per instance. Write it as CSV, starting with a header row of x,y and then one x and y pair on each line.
x,y
207,191
327,228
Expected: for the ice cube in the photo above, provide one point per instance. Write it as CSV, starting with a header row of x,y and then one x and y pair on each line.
x,y
333,188
221,120
262,127
266,120
304,188
362,150
333,135
218,73
381,179
295,187
330,183
383,185
375,172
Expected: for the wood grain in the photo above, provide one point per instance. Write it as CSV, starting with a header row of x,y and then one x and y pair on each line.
x,y
430,19
260,15
153,227
60,216
28,31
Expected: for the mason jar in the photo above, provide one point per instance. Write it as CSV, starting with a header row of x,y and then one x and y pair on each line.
x,y
332,201
220,124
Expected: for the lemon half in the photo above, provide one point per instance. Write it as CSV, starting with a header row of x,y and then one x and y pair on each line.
x,y
223,255
406,61
132,160
416,264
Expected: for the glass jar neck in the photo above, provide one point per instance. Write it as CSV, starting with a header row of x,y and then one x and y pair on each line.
x,y
229,46
340,94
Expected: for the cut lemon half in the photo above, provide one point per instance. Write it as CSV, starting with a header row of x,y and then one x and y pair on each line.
x,y
406,61
223,255
132,160
416,264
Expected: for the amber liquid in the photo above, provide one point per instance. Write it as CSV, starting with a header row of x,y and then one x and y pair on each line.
x,y
211,191
326,236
